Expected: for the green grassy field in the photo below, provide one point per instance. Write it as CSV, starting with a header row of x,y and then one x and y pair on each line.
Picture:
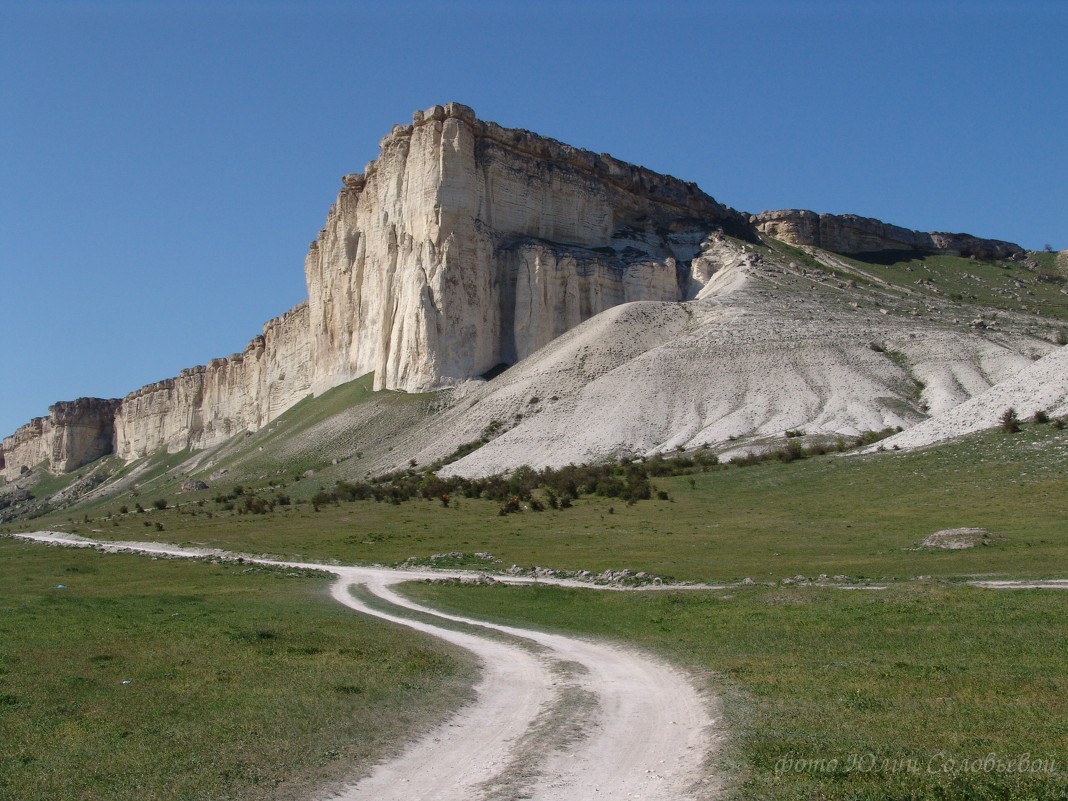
x,y
924,672
859,516
124,677
829,694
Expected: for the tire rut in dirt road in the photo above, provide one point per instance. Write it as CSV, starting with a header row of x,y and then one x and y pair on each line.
x,y
555,717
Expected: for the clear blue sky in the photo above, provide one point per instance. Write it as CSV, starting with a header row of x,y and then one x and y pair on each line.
x,y
164,164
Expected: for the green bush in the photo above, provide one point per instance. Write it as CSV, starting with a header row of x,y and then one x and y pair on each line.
x,y
1010,421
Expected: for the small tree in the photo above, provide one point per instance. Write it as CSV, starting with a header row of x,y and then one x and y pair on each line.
x,y
1010,421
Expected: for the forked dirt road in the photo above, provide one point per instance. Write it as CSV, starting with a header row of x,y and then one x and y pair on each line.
x,y
555,718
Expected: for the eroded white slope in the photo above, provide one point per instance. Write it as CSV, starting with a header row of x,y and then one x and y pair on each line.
x,y
1041,386
761,352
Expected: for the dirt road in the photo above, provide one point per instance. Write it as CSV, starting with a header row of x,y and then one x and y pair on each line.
x,y
554,717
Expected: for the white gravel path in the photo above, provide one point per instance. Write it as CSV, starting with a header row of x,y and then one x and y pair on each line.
x,y
555,717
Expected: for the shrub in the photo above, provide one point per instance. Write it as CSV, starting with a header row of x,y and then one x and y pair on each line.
x,y
258,506
1010,421
321,498
1040,417
512,505
792,452
160,503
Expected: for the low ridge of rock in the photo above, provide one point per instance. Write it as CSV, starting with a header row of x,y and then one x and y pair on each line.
x,y
955,539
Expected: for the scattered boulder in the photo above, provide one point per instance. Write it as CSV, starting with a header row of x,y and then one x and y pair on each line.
x,y
438,557
193,485
955,539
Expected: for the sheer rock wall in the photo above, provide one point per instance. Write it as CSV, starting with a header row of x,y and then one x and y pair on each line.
x,y
415,275
207,404
463,246
73,434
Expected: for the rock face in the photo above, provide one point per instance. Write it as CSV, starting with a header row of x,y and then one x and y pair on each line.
x,y
467,245
847,233
208,404
464,246
73,434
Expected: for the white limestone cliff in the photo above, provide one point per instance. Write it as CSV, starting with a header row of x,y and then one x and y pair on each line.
x,y
208,404
73,434
466,245
462,247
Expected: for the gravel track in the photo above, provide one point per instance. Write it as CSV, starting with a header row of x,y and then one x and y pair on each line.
x,y
554,717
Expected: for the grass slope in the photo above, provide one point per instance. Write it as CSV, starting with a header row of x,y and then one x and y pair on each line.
x,y
879,695
1031,286
156,679
855,515
830,694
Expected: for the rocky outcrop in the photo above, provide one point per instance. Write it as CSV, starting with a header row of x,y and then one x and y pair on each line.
x,y
548,289
847,234
448,255
208,404
73,434
465,245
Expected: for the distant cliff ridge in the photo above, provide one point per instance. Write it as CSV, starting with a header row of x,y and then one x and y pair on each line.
x,y
73,434
849,234
208,404
464,246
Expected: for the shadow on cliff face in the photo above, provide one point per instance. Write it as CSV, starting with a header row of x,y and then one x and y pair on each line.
x,y
885,258
495,371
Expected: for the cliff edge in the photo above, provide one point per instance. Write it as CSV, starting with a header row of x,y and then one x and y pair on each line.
x,y
464,248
